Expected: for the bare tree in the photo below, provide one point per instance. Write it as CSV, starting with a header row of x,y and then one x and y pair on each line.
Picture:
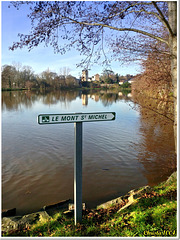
x,y
64,71
92,27
8,75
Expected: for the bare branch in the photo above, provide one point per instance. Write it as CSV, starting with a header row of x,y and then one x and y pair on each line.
x,y
53,20
115,28
163,19
125,10
123,29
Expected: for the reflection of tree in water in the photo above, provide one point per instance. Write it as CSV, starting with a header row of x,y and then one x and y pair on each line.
x,y
157,148
14,100
109,97
53,97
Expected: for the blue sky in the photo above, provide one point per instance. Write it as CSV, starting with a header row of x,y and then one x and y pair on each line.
x,y
15,21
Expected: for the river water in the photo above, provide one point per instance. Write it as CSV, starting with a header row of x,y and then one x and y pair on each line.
x,y
37,160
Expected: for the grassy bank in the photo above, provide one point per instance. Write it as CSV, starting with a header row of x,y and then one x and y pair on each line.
x,y
153,213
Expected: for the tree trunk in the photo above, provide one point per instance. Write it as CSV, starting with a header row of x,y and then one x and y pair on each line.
x,y
172,12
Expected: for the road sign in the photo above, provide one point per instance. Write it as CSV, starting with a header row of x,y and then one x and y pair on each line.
x,y
75,117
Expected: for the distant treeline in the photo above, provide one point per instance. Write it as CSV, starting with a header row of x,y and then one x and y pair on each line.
x,y
18,77
24,78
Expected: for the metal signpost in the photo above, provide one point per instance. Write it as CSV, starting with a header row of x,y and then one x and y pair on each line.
x,y
77,119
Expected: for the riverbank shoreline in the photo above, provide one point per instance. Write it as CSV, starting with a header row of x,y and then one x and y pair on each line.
x,y
99,87
23,225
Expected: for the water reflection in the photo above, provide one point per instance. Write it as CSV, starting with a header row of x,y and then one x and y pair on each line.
x,y
37,161
156,150
14,100
84,99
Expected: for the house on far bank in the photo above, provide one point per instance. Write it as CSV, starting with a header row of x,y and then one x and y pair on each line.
x,y
131,80
85,78
121,81
95,77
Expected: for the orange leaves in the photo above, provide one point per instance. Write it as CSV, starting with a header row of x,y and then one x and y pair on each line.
x,y
150,195
102,215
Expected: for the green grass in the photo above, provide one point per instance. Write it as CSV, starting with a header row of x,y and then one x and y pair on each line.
x,y
153,214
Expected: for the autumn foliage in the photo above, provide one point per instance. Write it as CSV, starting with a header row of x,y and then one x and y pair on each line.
x,y
156,78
